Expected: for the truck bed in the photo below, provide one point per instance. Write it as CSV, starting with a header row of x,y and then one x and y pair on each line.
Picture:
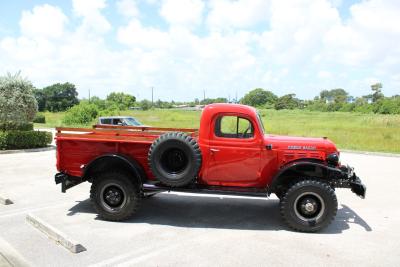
x,y
76,147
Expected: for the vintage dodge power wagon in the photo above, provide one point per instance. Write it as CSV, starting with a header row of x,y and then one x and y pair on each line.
x,y
230,154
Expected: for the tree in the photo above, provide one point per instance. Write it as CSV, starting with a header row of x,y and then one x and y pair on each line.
x,y
337,95
145,104
40,98
60,96
100,103
123,101
17,102
208,101
259,97
377,92
287,102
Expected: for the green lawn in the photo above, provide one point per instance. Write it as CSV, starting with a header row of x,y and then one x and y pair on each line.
x,y
368,132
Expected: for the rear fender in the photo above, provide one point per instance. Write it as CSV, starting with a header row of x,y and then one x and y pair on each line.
x,y
110,162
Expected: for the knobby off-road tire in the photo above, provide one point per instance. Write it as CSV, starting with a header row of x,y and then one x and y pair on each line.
x,y
115,196
309,205
175,159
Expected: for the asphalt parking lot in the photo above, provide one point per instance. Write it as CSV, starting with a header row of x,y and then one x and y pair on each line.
x,y
171,230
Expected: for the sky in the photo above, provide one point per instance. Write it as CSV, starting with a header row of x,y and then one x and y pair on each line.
x,y
185,48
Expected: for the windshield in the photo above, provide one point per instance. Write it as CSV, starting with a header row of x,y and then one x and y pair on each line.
x,y
261,123
132,122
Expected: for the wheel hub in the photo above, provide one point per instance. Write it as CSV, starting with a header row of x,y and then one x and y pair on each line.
x,y
113,196
309,206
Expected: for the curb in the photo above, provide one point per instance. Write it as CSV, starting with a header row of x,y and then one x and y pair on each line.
x,y
41,149
55,234
371,153
5,201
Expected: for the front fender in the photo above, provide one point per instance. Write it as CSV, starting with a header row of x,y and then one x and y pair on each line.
x,y
304,169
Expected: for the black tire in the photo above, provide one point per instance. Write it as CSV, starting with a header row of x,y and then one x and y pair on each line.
x,y
175,159
309,205
114,196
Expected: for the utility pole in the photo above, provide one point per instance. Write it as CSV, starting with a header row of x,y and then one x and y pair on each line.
x,y
204,95
236,101
89,95
152,100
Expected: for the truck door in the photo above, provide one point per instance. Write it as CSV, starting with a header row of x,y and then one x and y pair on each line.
x,y
234,152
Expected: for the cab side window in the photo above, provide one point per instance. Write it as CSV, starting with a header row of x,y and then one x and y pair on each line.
x,y
233,127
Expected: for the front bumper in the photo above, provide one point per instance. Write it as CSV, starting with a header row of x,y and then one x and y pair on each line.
x,y
348,179
358,188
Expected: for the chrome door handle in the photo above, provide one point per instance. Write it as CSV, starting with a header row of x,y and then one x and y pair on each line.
x,y
214,150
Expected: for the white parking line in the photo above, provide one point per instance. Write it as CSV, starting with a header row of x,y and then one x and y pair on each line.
x,y
115,260
12,257
134,257
15,212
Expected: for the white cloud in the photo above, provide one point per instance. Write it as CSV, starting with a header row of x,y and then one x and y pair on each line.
x,y
297,29
237,14
86,8
43,21
323,74
183,13
370,36
128,8
145,37
93,20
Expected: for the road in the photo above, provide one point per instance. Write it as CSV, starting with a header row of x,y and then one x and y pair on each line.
x,y
171,229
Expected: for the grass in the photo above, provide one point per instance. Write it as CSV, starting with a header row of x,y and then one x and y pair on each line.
x,y
367,132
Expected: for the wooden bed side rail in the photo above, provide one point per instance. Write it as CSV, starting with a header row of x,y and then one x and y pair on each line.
x,y
145,128
119,131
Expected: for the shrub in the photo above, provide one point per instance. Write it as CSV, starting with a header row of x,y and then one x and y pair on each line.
x,y
17,102
16,126
24,139
364,108
3,140
39,118
83,113
387,106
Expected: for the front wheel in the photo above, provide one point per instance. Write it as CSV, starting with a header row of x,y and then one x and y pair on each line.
x,y
309,206
115,196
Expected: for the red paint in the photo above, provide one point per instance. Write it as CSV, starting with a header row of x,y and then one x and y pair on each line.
x,y
244,162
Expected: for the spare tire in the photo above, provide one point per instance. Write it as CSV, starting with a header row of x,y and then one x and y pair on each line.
x,y
175,159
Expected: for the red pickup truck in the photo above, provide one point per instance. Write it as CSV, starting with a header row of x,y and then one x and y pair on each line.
x,y
230,154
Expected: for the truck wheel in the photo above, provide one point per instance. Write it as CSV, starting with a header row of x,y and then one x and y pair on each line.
x,y
114,196
175,159
309,206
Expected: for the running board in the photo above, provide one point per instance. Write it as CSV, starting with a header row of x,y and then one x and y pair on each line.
x,y
202,189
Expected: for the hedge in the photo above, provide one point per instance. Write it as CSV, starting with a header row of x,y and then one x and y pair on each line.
x,y
39,118
24,139
16,126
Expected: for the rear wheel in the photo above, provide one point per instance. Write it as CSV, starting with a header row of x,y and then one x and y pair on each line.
x,y
114,196
309,205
